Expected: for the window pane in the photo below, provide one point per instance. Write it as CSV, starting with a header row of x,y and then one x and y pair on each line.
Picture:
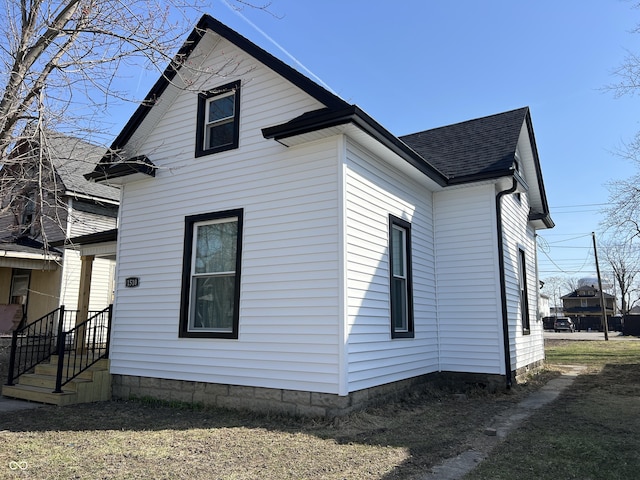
x,y
397,246
212,303
399,305
219,134
220,108
216,247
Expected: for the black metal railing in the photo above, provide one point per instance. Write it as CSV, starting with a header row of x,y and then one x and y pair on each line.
x,y
34,343
82,346
57,333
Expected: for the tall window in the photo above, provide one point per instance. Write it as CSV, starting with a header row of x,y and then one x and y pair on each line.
x,y
400,277
218,126
211,275
524,297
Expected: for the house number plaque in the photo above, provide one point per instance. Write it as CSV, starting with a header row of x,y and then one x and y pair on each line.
x,y
131,282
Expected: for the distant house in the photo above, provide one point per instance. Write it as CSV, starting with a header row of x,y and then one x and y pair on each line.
x,y
280,249
33,273
585,307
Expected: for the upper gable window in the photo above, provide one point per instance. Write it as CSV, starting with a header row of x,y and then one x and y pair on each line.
x,y
218,119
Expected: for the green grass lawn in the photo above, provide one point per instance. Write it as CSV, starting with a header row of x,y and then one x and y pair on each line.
x,y
592,431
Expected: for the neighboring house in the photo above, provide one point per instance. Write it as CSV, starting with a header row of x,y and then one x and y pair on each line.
x,y
544,307
33,273
285,251
585,307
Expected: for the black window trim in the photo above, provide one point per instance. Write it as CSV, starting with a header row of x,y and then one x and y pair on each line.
x,y
200,130
185,296
523,292
396,221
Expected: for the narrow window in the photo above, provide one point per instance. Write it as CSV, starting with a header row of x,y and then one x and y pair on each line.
x,y
400,277
211,275
524,298
218,120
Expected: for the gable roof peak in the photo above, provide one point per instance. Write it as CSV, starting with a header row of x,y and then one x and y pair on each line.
x,y
208,23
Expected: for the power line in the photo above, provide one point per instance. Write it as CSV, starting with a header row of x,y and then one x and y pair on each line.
x,y
579,206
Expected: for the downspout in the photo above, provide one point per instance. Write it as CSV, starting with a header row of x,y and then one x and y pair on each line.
x,y
503,285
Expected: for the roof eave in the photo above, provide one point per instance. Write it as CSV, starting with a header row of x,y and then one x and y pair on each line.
x,y
119,173
328,118
480,177
89,239
545,218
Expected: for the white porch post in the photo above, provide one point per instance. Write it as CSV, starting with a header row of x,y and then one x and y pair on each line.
x,y
83,298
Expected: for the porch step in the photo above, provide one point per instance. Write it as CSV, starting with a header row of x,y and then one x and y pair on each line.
x,y
92,385
38,394
49,382
51,368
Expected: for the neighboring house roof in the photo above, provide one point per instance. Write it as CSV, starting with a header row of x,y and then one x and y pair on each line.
x,y
70,159
27,248
73,158
89,239
466,152
596,295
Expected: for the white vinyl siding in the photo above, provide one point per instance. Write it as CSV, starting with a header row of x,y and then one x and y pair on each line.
x,y
314,305
525,349
84,223
468,291
373,191
289,322
102,282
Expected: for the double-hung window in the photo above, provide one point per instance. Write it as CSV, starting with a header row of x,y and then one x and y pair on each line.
x,y
524,295
400,278
211,275
218,125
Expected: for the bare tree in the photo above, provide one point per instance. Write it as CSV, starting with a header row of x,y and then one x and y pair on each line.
x,y
622,216
571,284
553,288
624,260
61,66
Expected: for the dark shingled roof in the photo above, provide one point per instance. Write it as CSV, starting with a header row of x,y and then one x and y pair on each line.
x,y
72,158
479,148
24,244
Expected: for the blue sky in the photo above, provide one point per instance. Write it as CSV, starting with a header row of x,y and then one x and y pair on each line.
x,y
419,64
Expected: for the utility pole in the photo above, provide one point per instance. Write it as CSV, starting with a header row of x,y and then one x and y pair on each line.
x,y
605,325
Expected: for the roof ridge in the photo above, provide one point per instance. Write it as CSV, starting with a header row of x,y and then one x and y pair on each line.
x,y
471,120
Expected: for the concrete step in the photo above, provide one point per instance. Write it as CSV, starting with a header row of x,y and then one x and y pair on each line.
x,y
39,394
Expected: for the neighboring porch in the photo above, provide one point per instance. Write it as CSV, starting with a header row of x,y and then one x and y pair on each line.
x,y
58,361
62,357
29,279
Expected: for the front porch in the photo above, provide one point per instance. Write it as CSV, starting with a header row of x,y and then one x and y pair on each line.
x,y
62,358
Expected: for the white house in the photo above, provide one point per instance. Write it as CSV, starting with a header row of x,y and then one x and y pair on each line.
x,y
280,249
